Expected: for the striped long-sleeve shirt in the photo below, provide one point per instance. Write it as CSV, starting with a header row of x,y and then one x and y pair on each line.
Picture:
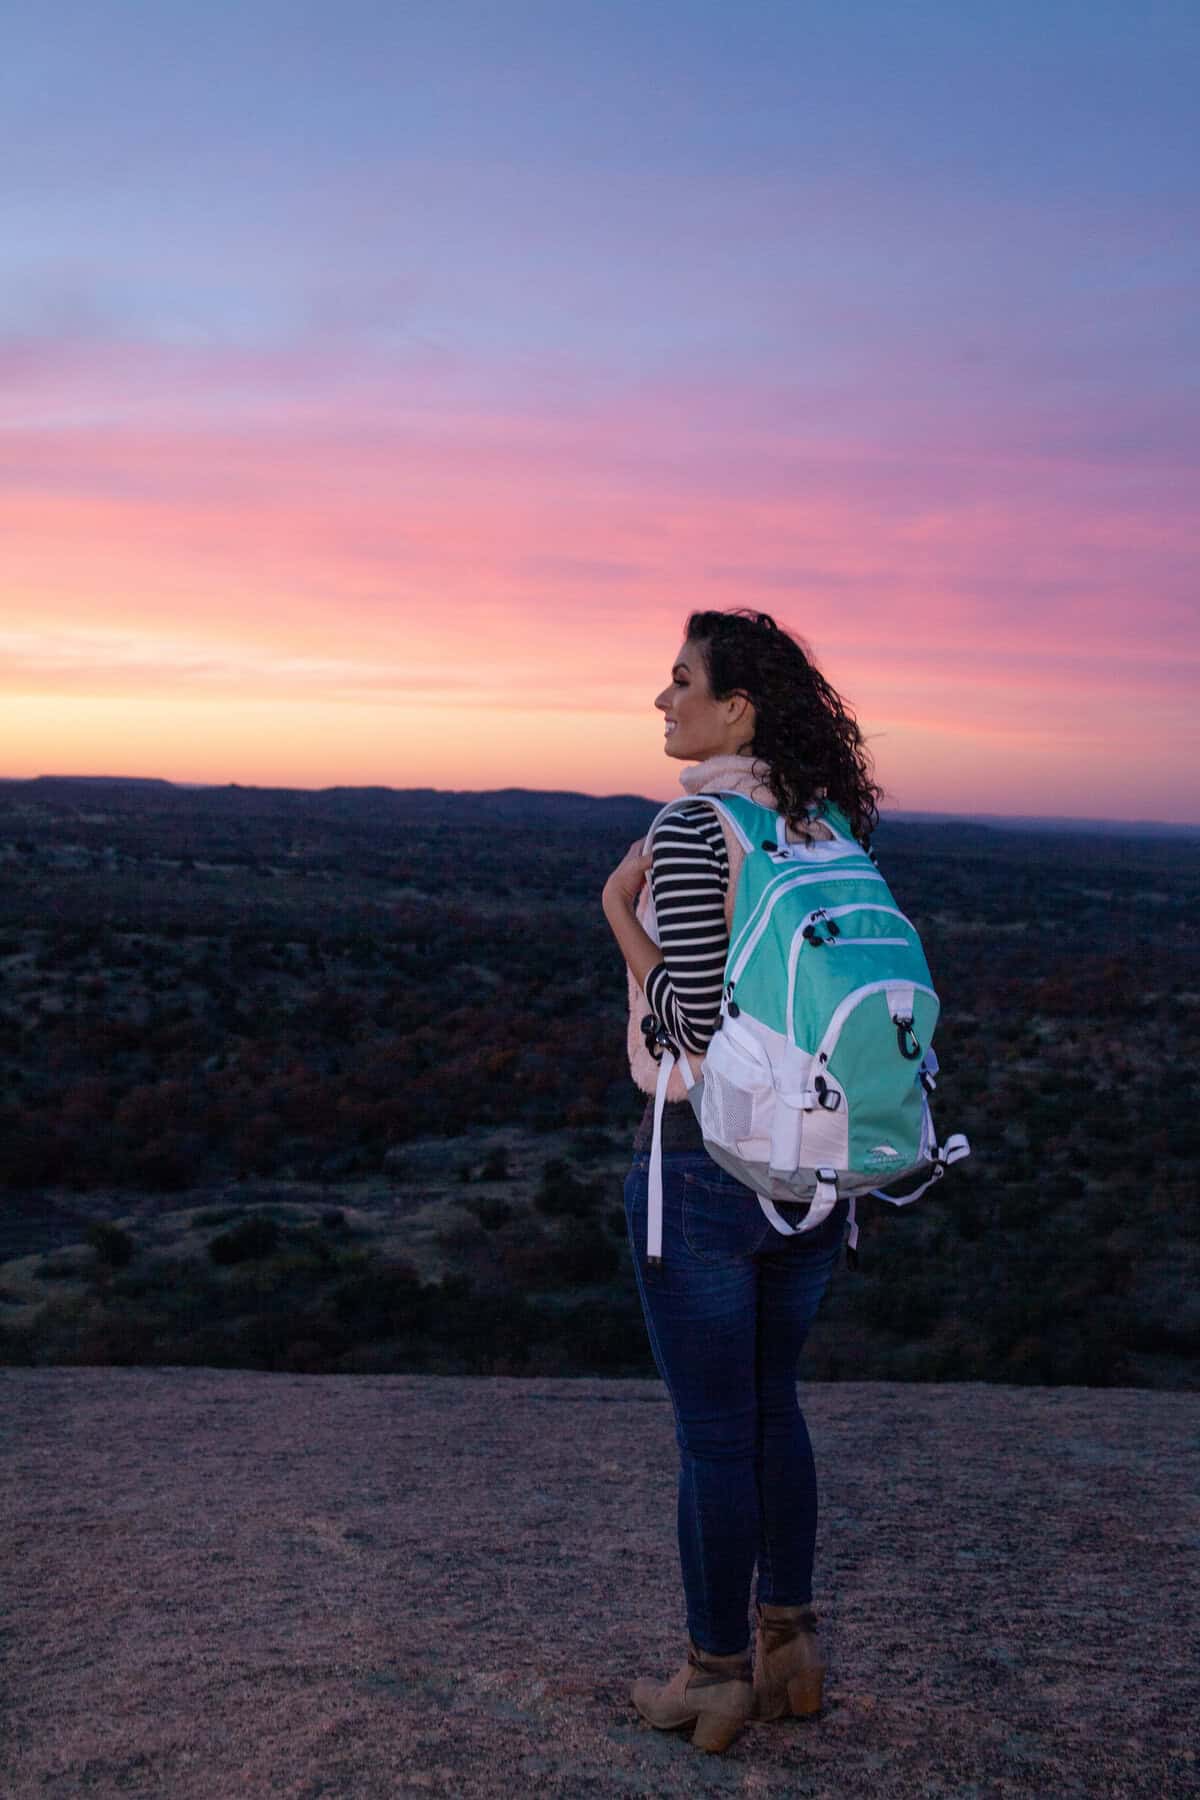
x,y
689,876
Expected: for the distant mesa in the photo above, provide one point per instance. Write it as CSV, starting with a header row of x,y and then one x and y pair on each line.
x,y
125,780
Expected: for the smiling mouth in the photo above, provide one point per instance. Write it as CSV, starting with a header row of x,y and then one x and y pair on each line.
x,y
669,727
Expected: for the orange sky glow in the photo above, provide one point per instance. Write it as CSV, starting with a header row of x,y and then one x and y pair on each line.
x,y
484,601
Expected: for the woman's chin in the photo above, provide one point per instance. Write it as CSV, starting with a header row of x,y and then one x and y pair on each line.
x,y
683,752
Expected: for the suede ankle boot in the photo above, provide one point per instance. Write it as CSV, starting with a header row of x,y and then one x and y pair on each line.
x,y
789,1670
713,1693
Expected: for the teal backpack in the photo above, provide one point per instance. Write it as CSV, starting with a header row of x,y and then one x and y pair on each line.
x,y
816,1082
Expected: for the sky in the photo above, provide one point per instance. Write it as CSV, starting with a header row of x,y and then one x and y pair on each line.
x,y
381,385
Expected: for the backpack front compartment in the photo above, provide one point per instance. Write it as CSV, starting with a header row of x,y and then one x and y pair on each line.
x,y
833,1080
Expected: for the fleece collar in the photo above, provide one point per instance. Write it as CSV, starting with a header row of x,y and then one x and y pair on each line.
x,y
729,774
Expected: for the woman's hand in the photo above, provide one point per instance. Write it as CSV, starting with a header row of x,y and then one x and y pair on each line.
x,y
621,892
623,886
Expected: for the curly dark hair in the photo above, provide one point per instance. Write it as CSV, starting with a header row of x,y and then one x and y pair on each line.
x,y
804,732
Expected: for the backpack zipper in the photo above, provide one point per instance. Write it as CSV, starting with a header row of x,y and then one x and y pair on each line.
x,y
844,1008
747,944
839,912
789,876
835,912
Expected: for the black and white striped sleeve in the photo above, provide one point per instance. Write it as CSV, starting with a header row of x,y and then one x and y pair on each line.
x,y
689,876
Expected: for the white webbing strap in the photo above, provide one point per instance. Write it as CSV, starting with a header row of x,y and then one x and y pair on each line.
x,y
952,1151
938,1170
852,1221
820,1206
654,1195
772,1214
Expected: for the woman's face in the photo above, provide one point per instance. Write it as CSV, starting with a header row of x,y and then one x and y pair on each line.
x,y
697,725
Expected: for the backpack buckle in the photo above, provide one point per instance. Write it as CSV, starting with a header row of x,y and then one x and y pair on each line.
x,y
827,1097
656,1036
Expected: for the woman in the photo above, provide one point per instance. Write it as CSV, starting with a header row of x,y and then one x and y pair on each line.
x,y
729,1306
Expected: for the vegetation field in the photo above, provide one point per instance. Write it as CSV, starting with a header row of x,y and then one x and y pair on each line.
x,y
336,1081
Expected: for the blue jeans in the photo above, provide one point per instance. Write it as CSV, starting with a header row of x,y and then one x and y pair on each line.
x,y
728,1310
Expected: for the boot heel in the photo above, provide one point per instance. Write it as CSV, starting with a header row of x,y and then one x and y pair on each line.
x,y
716,1731
804,1694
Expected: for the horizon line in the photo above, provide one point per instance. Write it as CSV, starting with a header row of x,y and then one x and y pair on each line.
x,y
902,813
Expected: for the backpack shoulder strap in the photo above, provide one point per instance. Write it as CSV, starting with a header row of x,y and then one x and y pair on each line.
x,y
665,812
741,815
836,819
748,821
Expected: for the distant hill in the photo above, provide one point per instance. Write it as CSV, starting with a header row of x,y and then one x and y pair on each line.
x,y
526,806
348,806
1015,822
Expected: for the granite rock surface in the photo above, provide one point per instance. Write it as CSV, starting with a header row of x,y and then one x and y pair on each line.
x,y
227,1583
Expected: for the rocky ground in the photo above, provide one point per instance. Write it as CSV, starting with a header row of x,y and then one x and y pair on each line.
x,y
225,1583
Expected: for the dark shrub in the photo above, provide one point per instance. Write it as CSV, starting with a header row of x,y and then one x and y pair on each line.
x,y
458,1238
580,1258
901,1301
261,1341
1064,1184
562,1196
32,1158
380,1301
16,1346
166,1163
114,1247
255,1236
311,1246
116,1341
589,1145
477,1331
609,1337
